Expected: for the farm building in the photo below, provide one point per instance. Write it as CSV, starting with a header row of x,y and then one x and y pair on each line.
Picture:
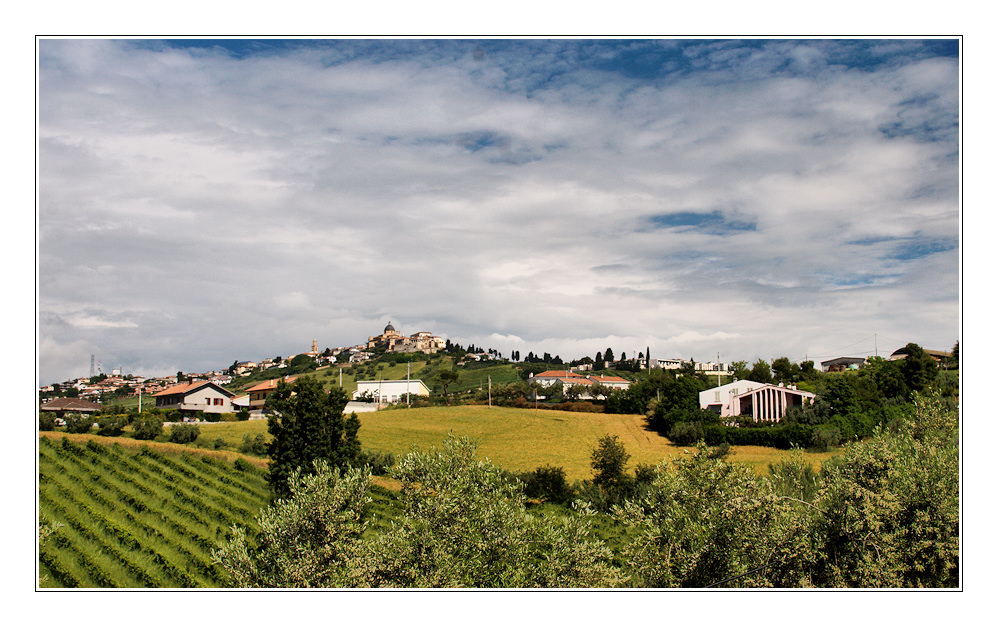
x,y
762,401
390,391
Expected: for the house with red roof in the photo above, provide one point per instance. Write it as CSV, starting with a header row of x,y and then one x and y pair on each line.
x,y
258,393
196,396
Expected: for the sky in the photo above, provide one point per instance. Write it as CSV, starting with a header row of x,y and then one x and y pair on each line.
x,y
206,201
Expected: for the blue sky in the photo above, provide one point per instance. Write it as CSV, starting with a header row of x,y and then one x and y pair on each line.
x,y
206,201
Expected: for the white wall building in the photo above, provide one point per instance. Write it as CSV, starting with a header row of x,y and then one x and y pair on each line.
x,y
763,401
390,391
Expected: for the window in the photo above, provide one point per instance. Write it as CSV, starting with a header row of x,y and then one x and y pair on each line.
x,y
218,401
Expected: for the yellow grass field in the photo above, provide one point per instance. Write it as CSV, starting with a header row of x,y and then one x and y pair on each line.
x,y
523,439
513,439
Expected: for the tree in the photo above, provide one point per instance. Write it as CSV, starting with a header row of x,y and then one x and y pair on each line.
x,y
460,522
308,425
918,368
608,356
761,372
740,371
785,371
446,378
598,363
608,461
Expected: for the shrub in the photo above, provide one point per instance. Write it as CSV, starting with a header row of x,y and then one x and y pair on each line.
x,y
111,425
686,433
244,466
548,483
78,423
824,437
46,421
218,443
148,428
380,462
254,446
184,433
242,414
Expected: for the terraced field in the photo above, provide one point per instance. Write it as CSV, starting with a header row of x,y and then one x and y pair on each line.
x,y
138,519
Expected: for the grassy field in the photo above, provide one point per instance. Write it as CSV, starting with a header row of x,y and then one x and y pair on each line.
x,y
523,439
513,439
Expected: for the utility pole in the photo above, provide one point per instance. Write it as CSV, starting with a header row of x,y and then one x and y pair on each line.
x,y
490,391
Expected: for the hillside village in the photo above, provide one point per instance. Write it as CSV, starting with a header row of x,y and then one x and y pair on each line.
x,y
207,392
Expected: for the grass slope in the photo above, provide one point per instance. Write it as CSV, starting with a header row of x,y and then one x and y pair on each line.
x,y
523,439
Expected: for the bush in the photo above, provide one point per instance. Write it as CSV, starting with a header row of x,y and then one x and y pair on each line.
x,y
147,427
242,414
823,438
548,483
686,433
218,443
111,425
46,421
379,461
244,466
184,433
78,423
254,446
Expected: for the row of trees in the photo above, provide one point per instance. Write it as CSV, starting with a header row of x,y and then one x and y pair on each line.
x,y
883,514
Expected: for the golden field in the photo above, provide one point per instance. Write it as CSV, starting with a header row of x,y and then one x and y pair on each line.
x,y
513,439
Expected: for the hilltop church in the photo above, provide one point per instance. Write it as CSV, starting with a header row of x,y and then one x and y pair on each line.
x,y
393,341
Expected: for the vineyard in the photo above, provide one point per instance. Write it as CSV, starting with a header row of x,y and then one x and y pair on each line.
x,y
139,520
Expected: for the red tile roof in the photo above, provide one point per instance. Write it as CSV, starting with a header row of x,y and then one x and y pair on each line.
x,y
269,384
69,404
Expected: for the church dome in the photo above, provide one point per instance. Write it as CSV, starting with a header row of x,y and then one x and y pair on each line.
x,y
389,327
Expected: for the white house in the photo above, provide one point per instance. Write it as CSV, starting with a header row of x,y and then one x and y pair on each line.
x,y
762,401
390,391
196,396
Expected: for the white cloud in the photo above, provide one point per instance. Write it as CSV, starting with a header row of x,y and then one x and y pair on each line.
x,y
273,198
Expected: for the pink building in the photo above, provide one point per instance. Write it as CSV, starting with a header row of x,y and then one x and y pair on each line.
x,y
765,402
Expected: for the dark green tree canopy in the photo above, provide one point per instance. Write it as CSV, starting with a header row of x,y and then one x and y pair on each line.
x,y
308,425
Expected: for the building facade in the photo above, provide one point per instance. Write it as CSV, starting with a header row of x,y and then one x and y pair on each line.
x,y
196,396
391,391
764,402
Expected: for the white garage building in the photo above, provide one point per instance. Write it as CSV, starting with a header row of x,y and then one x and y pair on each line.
x,y
390,391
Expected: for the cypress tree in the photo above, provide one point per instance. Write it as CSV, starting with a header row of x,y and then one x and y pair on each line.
x,y
308,424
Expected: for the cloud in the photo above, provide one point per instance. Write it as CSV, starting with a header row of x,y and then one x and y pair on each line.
x,y
223,200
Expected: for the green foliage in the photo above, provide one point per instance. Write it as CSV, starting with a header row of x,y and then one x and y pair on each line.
x,y
460,523
608,461
307,539
78,423
46,421
254,446
308,425
889,507
548,483
823,438
111,425
184,433
242,414
379,462
147,427
761,372
705,521
686,433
